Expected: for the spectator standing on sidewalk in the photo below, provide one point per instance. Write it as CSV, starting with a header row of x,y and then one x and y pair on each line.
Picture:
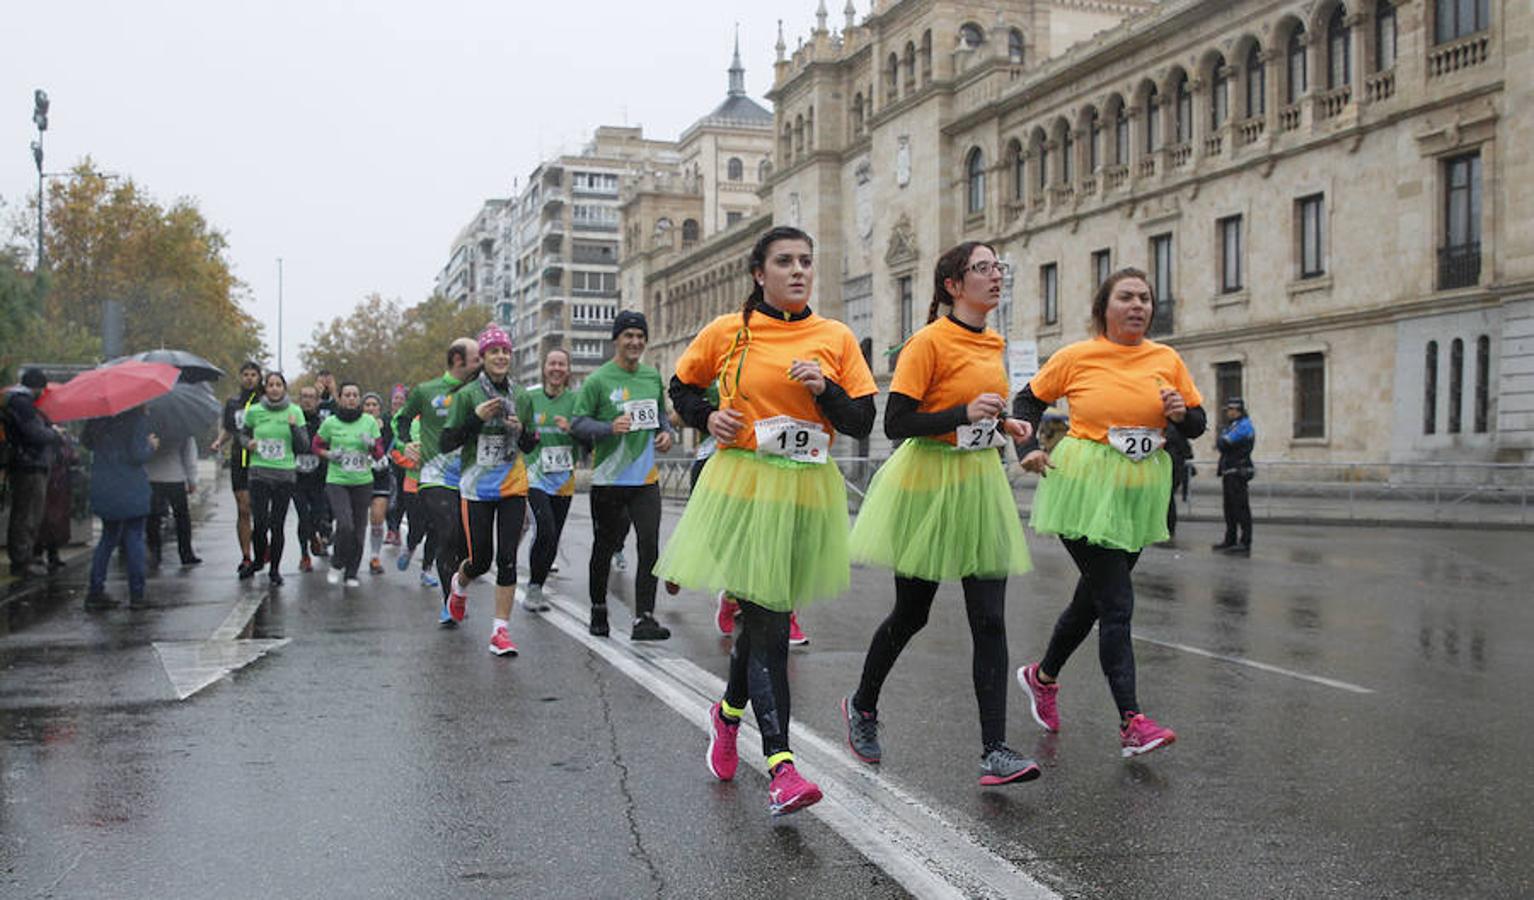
x,y
172,477
1235,469
120,497
54,532
33,442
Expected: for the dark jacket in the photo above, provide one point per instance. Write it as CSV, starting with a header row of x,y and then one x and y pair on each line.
x,y
119,481
1235,444
28,431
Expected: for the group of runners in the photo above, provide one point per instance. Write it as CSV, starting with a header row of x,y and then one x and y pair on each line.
x,y
766,528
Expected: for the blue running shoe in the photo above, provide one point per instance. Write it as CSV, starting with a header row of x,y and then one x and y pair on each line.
x,y
402,562
445,620
430,580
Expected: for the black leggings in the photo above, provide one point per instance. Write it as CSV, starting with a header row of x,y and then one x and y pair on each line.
x,y
441,505
313,509
1104,595
1238,508
985,600
759,673
349,507
421,530
613,508
549,512
268,517
497,522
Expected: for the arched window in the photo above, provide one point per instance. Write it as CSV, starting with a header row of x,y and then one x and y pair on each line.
x,y
971,35
892,79
1339,49
857,115
1256,83
1094,140
1121,134
1041,152
1456,384
735,170
1183,112
1152,131
809,128
798,135
1482,383
1219,99
1067,152
786,148
974,171
1295,88
926,57
689,230
910,66
1430,389
1015,47
1384,35
1015,159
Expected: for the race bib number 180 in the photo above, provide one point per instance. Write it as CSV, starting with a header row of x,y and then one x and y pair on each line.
x,y
796,439
644,415
1136,443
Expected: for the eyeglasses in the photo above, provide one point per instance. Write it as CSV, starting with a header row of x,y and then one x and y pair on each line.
x,y
986,267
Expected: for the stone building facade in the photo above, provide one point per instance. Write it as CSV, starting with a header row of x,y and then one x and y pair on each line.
x,y
1330,197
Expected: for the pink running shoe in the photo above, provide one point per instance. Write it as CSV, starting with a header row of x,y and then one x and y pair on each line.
x,y
796,636
722,758
1142,735
1041,697
789,792
501,645
725,617
457,602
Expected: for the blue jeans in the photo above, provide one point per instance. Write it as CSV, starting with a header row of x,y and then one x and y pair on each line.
x,y
129,533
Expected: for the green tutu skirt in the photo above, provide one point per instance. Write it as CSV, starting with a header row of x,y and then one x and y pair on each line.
x,y
763,528
1099,494
940,514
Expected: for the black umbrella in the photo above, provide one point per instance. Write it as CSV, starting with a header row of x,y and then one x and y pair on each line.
x,y
188,410
193,367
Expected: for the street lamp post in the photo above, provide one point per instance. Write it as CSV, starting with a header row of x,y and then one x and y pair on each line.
x,y
40,119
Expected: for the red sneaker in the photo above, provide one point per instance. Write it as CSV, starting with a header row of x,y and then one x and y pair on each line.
x,y
457,603
306,564
722,756
796,636
501,645
789,792
725,617
1142,735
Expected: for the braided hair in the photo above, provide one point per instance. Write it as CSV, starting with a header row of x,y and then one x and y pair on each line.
x,y
759,261
951,265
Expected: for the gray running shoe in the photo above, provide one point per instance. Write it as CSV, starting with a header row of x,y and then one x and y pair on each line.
x,y
1000,764
862,732
532,599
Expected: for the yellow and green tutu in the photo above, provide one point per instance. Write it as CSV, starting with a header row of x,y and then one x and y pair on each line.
x,y
1099,494
763,528
940,514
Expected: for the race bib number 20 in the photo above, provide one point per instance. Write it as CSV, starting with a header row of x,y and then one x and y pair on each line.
x,y
1136,443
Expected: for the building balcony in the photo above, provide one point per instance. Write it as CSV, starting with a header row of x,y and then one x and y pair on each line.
x,y
552,201
1380,86
553,265
1146,168
1289,118
1459,266
1446,59
1115,177
587,225
584,327
1179,155
1330,104
1249,131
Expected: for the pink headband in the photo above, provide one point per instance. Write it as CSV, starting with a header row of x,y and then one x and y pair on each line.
x,y
493,336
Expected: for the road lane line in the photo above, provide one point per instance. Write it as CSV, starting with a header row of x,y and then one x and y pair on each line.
x,y
1262,666
234,623
909,840
191,666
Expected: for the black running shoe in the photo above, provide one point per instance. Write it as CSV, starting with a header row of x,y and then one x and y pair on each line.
x,y
647,629
598,625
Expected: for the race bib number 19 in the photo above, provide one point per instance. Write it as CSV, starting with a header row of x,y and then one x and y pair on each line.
x,y
644,415
796,439
981,435
1136,443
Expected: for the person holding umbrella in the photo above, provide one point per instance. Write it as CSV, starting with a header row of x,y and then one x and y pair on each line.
x,y
121,444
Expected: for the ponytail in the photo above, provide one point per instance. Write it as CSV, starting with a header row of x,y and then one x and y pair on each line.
x,y
951,265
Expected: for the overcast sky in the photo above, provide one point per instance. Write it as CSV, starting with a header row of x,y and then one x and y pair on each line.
x,y
354,139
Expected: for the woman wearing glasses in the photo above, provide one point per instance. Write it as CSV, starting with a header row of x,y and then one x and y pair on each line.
x,y
941,509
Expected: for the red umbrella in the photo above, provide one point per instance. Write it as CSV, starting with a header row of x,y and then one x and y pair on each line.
x,y
108,391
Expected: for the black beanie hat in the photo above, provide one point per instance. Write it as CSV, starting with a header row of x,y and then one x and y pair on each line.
x,y
35,379
627,319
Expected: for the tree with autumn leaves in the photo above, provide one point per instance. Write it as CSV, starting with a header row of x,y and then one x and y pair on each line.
x,y
380,343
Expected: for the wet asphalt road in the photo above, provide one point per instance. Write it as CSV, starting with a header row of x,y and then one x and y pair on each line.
x,y
1377,748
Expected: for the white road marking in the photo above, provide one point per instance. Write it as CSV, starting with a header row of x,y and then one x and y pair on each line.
x,y
1262,666
191,666
912,842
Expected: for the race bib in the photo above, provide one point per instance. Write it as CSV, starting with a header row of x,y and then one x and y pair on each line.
x,y
491,450
271,449
1136,443
793,438
239,419
306,462
350,461
981,435
644,415
556,459
381,464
